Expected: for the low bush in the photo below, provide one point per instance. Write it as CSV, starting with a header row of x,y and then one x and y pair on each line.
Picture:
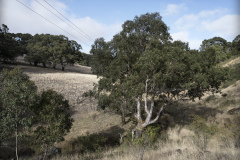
x,y
203,131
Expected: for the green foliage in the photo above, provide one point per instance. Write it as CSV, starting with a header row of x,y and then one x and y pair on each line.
x,y
22,42
101,56
203,131
87,60
18,98
153,132
149,136
221,47
143,53
115,60
8,45
211,42
236,45
52,118
92,143
22,111
50,49
96,142
233,75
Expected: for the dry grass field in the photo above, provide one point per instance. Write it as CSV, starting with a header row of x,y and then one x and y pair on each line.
x,y
180,143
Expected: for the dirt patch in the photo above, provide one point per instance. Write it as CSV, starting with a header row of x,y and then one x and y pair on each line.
x,y
232,62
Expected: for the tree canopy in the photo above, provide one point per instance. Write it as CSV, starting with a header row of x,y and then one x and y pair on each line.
x,y
44,118
8,45
142,62
50,49
220,45
236,45
18,98
52,114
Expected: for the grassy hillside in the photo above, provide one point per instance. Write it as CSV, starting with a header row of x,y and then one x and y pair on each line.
x,y
95,134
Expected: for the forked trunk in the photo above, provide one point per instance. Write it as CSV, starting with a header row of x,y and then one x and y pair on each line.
x,y
142,124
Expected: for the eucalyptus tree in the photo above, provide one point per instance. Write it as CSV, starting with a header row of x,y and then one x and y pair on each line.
x,y
53,120
212,41
74,54
64,51
145,64
59,47
101,57
86,59
53,50
22,40
236,45
8,45
115,60
220,45
18,99
169,73
38,49
43,119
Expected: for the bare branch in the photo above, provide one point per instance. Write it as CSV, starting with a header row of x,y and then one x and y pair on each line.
x,y
160,111
146,91
152,103
139,109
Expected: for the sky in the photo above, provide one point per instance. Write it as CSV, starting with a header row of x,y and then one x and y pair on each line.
x,y
191,21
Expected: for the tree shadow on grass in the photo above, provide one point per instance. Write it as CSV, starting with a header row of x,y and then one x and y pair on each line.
x,y
96,142
48,69
182,112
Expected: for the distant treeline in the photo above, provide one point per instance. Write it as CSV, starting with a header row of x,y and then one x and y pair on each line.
x,y
45,49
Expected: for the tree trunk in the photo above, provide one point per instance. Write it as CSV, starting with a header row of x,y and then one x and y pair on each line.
x,y
123,116
123,108
16,141
45,153
63,67
44,65
141,125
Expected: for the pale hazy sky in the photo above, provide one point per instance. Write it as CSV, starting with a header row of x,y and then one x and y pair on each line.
x,y
189,20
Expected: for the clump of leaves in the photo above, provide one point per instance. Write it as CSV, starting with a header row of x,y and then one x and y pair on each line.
x,y
153,132
18,96
53,120
233,75
203,131
90,143
210,98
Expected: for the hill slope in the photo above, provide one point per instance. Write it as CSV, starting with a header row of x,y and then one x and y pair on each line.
x,y
181,141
